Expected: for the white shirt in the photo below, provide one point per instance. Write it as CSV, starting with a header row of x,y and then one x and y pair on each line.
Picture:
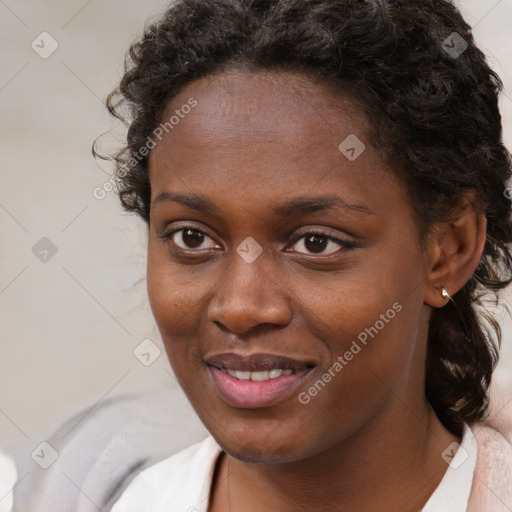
x,y
8,477
452,493
181,483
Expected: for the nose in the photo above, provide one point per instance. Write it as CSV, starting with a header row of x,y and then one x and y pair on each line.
x,y
249,295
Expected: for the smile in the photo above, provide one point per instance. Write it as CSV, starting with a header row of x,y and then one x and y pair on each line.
x,y
258,376
256,381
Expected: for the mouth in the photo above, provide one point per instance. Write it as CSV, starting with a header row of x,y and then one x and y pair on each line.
x,y
258,380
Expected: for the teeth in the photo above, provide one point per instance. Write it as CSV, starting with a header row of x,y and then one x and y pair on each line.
x,y
258,376
240,375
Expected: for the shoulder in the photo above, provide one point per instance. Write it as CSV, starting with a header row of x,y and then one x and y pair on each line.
x,y
492,482
182,481
101,450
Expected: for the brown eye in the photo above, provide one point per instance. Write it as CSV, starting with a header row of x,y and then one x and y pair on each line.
x,y
192,238
188,238
316,243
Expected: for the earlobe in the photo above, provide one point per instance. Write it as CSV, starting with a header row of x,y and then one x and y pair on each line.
x,y
454,255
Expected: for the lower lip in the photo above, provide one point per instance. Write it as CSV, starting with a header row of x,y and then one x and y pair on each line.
x,y
248,394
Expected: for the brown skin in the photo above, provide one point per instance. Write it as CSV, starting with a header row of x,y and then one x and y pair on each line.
x,y
369,440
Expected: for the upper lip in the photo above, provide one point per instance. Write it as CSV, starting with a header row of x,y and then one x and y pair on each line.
x,y
255,362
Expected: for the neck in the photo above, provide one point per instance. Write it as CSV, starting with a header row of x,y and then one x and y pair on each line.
x,y
392,464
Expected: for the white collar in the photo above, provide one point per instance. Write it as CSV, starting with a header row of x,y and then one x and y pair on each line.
x,y
452,493
182,483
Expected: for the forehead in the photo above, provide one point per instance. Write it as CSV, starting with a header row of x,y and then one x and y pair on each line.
x,y
260,134
264,106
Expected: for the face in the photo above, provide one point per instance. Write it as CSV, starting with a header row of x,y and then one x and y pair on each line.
x,y
284,270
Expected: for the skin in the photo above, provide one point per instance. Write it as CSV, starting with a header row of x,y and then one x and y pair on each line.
x,y
369,440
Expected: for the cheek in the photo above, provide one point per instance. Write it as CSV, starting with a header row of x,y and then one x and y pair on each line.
x,y
169,298
177,296
369,370
162,292
369,319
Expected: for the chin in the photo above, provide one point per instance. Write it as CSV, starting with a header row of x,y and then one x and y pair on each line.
x,y
262,457
252,449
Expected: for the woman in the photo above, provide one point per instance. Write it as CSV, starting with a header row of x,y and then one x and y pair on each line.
x,y
324,184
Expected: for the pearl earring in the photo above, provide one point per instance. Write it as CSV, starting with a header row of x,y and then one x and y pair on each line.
x,y
445,294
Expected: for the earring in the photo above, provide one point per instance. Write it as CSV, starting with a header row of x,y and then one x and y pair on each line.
x,y
445,294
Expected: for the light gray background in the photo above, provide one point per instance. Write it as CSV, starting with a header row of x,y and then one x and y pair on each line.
x,y
69,326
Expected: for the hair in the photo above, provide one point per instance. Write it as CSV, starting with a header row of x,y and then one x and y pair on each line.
x,y
435,114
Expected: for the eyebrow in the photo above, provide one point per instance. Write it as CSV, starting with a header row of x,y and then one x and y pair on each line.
x,y
295,206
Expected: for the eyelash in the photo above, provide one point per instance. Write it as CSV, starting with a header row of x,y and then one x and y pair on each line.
x,y
343,244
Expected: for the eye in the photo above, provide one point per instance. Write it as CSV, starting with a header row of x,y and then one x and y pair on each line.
x,y
188,238
319,243
314,242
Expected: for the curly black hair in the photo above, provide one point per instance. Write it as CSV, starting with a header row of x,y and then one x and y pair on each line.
x,y
414,69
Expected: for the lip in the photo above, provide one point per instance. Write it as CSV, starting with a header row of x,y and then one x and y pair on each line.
x,y
248,394
256,362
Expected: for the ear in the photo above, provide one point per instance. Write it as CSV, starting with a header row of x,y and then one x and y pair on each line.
x,y
454,251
